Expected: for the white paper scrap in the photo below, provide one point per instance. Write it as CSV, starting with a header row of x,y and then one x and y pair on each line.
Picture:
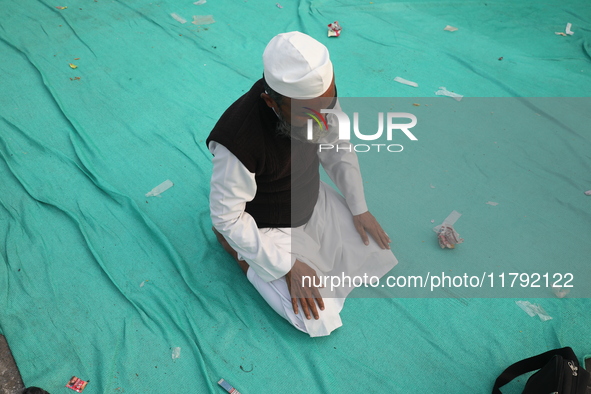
x,y
560,292
525,305
406,82
533,309
161,188
200,2
203,19
568,30
450,28
542,314
444,92
588,193
176,352
178,18
452,218
494,204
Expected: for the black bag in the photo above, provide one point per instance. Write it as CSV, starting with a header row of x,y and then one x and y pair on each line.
x,y
559,373
34,390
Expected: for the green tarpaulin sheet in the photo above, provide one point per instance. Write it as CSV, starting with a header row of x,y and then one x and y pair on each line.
x,y
101,282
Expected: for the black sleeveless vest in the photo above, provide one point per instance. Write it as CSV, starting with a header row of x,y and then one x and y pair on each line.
x,y
286,171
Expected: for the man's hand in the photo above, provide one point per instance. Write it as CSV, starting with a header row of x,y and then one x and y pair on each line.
x,y
307,295
367,223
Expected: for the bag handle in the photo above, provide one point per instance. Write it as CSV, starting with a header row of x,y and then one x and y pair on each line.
x,y
531,364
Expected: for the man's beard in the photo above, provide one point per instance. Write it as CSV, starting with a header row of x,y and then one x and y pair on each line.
x,y
285,129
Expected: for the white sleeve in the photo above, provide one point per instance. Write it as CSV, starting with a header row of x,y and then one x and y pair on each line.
x,y
232,186
342,166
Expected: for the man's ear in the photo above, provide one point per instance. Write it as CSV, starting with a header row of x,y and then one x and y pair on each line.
x,y
269,101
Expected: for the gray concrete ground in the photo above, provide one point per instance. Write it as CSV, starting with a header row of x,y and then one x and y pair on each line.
x,y
10,378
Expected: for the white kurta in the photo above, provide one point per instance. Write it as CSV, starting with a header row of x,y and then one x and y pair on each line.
x,y
329,242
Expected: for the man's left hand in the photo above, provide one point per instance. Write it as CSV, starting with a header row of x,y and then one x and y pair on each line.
x,y
367,223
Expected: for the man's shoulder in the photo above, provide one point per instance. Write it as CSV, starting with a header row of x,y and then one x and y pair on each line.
x,y
243,114
242,127
244,110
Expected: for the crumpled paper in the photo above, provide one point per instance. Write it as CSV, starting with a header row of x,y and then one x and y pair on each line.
x,y
334,29
560,292
447,236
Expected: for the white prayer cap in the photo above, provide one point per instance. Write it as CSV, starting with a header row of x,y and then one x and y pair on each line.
x,y
297,66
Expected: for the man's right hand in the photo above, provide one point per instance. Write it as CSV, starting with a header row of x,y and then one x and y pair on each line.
x,y
307,295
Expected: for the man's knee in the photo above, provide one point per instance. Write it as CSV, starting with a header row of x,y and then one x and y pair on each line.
x,y
243,264
326,323
328,320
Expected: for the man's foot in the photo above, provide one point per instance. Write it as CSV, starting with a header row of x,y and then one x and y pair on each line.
x,y
243,264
